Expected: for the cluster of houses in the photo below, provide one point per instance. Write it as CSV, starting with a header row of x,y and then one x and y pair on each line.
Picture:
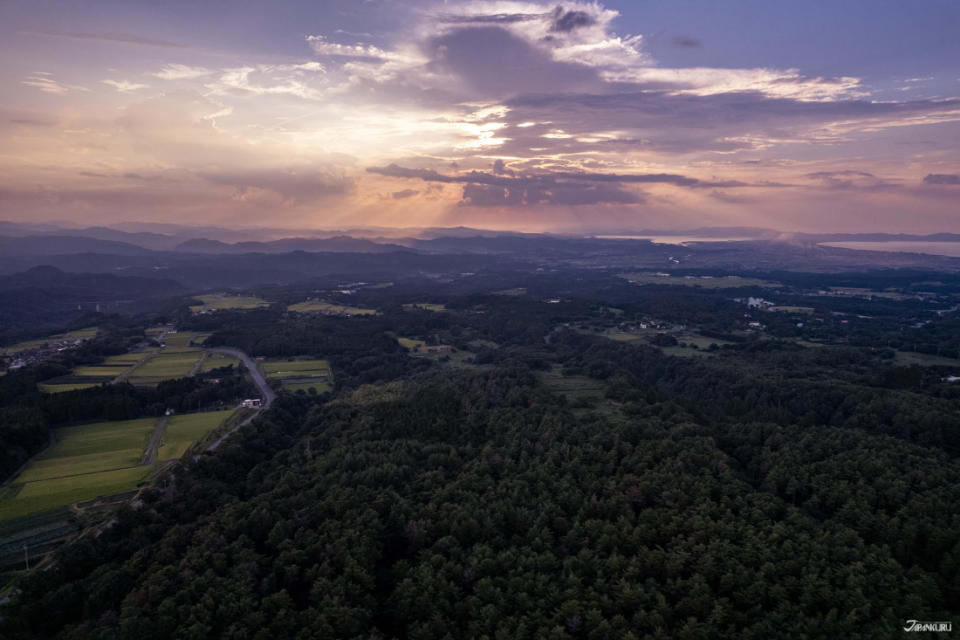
x,y
30,356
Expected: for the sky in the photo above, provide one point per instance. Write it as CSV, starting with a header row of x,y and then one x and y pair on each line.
x,y
581,117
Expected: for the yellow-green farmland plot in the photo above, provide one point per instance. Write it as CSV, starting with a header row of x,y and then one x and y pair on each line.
x,y
316,306
86,461
84,377
183,430
426,306
298,375
166,366
217,301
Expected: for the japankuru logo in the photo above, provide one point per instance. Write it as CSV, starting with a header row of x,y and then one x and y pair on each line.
x,y
922,625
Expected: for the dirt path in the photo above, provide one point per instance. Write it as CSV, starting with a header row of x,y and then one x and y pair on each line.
x,y
155,441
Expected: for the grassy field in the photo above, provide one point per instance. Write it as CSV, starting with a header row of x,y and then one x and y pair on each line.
x,y
907,358
27,345
217,360
644,335
67,386
184,340
216,301
88,376
426,306
296,375
86,461
788,309
184,430
316,306
410,343
99,459
166,366
707,282
56,492
574,387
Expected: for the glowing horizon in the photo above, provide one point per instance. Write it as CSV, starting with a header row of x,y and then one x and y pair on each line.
x,y
528,116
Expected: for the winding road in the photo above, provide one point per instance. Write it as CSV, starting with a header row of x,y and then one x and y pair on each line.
x,y
267,394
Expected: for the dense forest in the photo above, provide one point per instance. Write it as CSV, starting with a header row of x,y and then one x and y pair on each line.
x,y
554,483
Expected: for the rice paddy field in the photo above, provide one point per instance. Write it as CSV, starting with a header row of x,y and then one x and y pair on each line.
x,y
165,366
86,461
218,301
183,430
100,459
181,357
316,306
299,375
84,377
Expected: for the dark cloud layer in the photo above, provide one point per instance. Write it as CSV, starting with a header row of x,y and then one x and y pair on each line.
x,y
506,187
495,63
942,179
567,21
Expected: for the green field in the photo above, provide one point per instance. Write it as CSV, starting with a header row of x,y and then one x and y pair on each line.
x,y
907,358
27,345
299,375
217,360
426,306
217,301
316,306
707,282
410,343
86,461
57,492
66,386
88,376
575,386
103,458
166,366
788,309
184,430
299,368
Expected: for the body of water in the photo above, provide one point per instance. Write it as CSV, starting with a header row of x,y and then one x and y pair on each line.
x,y
907,246
674,239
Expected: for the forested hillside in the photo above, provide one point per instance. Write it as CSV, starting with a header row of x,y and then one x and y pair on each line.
x,y
574,487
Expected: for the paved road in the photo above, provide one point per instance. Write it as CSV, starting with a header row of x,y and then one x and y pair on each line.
x,y
155,441
267,394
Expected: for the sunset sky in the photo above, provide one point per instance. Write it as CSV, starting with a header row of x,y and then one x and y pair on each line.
x,y
571,116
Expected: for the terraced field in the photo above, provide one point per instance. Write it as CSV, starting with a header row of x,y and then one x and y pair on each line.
x,y
316,306
296,375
